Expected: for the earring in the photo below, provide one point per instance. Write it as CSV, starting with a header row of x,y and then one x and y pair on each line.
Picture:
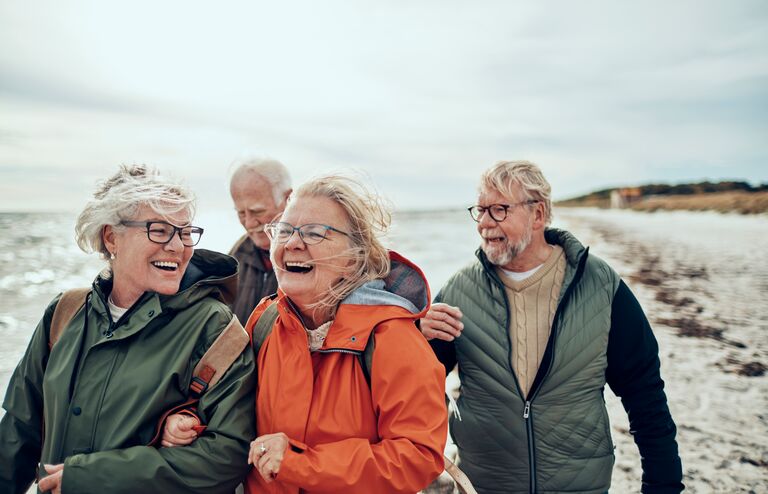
x,y
112,256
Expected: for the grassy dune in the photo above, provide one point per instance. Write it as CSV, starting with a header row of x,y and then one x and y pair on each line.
x,y
724,202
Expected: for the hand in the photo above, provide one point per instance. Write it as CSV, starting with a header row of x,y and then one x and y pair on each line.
x,y
178,430
267,454
52,482
443,322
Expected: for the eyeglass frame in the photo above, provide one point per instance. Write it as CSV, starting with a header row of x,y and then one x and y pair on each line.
x,y
176,230
507,207
269,226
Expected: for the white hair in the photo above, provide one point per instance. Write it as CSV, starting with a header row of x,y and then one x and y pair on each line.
x,y
271,170
121,196
503,176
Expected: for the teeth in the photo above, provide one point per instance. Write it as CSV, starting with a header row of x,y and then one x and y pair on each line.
x,y
297,264
166,264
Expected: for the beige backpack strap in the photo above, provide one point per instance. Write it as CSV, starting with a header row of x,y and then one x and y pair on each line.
x,y
66,308
219,357
461,479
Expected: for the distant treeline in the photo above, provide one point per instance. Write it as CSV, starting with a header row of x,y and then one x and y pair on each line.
x,y
678,189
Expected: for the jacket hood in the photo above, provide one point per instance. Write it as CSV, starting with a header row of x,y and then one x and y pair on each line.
x,y
403,294
208,273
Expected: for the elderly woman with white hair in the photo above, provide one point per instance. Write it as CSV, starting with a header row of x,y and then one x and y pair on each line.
x,y
350,396
87,406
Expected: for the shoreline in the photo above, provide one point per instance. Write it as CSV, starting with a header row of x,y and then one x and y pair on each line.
x,y
736,202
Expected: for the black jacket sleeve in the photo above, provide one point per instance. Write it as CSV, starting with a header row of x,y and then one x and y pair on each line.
x,y
633,373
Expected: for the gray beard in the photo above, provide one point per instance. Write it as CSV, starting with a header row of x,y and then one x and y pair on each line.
x,y
503,258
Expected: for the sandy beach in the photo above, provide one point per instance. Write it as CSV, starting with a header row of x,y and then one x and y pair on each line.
x,y
702,279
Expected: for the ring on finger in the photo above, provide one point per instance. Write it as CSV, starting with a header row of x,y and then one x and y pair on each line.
x,y
262,448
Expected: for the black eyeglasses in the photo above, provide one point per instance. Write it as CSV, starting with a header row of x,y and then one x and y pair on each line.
x,y
498,212
311,233
161,232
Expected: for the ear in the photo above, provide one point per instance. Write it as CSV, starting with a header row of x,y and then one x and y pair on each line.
x,y
109,237
539,218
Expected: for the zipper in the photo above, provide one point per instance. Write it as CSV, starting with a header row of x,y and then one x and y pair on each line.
x,y
534,391
531,449
339,350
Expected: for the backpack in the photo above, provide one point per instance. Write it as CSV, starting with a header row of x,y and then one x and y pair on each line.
x,y
263,328
211,367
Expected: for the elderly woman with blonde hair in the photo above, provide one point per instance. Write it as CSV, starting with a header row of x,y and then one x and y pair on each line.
x,y
324,424
85,408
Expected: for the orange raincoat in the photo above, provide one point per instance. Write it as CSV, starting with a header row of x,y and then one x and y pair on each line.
x,y
346,436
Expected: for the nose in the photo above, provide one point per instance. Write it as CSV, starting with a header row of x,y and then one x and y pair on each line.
x,y
251,220
175,244
485,220
295,241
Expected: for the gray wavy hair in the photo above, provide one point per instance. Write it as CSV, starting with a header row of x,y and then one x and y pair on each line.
x,y
503,176
119,198
369,218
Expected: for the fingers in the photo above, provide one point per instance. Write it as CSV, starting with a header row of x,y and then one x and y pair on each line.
x,y
51,469
266,454
52,482
269,465
447,309
178,431
443,322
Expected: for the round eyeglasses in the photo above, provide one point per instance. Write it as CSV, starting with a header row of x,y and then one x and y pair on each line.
x,y
498,212
311,233
161,232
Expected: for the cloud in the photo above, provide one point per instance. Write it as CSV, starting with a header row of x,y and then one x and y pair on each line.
x,y
421,95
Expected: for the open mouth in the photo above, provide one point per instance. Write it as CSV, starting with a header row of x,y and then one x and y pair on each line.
x,y
166,265
493,240
298,267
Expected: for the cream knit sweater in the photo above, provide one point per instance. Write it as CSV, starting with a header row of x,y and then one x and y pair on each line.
x,y
532,305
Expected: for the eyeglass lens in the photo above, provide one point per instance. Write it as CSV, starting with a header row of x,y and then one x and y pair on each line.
x,y
163,233
311,233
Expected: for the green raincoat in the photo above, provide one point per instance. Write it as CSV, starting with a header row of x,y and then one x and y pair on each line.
x,y
102,388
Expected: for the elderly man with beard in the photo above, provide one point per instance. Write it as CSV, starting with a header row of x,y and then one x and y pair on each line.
x,y
538,326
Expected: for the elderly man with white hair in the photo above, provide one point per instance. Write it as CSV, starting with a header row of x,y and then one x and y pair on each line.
x,y
259,188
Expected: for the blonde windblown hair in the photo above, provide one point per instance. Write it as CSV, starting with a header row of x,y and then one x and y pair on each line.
x,y
369,218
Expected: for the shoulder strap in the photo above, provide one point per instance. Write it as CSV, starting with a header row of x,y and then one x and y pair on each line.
x,y
219,357
461,479
68,305
263,328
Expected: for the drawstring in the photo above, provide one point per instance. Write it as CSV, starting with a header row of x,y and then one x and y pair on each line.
x,y
453,406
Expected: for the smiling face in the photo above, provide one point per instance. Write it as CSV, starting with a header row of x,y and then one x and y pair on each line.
x,y
141,265
306,272
504,241
255,205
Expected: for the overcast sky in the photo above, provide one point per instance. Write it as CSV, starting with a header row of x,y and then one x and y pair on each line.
x,y
419,95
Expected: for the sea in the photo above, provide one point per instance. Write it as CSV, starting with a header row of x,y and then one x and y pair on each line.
x,y
701,277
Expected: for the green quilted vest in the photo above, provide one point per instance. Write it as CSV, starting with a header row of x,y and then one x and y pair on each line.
x,y
557,439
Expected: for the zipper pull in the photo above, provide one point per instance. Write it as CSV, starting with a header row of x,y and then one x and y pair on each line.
x,y
109,331
527,410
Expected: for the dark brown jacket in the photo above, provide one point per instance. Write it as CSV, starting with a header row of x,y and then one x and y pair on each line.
x,y
255,279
